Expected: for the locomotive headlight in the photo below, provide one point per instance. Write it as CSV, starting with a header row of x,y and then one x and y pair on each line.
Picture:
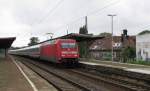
x,y
63,55
64,52
75,55
73,52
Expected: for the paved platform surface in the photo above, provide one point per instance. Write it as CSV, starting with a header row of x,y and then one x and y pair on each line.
x,y
10,77
125,66
40,83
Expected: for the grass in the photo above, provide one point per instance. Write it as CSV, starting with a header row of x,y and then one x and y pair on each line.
x,y
141,62
131,61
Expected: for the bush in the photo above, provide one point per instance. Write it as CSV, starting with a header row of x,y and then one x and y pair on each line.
x,y
141,62
128,53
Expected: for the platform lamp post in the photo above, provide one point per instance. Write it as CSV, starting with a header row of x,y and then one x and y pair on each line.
x,y
67,30
112,15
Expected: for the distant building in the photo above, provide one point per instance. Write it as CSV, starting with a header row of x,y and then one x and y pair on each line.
x,y
101,48
143,47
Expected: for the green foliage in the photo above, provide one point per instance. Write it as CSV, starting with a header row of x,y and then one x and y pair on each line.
x,y
105,34
33,41
144,32
83,30
129,52
107,56
83,49
141,62
107,59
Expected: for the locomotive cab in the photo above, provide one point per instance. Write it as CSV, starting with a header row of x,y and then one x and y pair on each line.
x,y
69,51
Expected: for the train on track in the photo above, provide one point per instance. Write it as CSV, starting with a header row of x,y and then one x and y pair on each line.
x,y
56,51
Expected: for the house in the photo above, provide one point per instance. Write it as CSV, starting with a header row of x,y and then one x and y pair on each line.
x,y
102,48
143,47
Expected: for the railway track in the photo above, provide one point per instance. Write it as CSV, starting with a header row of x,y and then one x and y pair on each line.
x,y
60,83
81,80
116,80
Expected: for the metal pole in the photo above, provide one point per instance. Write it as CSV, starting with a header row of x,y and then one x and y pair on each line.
x,y
112,39
67,30
112,35
86,22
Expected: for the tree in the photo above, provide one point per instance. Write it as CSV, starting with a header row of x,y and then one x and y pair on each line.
x,y
144,32
33,41
128,52
105,34
83,30
83,47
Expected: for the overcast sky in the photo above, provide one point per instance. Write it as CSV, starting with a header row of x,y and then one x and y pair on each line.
x,y
27,18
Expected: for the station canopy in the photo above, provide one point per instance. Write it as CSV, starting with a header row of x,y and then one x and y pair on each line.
x,y
77,37
6,42
81,37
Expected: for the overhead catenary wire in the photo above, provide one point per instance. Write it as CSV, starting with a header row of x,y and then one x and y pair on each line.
x,y
110,4
71,22
145,27
94,12
46,16
49,12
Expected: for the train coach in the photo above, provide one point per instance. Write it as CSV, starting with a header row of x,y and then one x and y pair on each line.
x,y
56,51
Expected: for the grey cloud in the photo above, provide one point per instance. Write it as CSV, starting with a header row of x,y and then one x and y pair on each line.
x,y
27,14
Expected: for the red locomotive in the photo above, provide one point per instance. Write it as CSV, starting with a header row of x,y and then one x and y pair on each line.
x,y
57,51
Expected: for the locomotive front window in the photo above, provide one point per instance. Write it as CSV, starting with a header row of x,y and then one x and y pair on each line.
x,y
68,45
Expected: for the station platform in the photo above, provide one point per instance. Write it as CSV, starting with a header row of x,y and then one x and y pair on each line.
x,y
125,66
126,69
14,76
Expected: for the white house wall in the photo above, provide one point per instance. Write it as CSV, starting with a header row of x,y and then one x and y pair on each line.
x,y
143,47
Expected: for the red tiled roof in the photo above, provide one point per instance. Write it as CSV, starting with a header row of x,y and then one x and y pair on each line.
x,y
106,44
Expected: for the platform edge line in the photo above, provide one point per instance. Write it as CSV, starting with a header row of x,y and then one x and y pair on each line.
x,y
27,78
